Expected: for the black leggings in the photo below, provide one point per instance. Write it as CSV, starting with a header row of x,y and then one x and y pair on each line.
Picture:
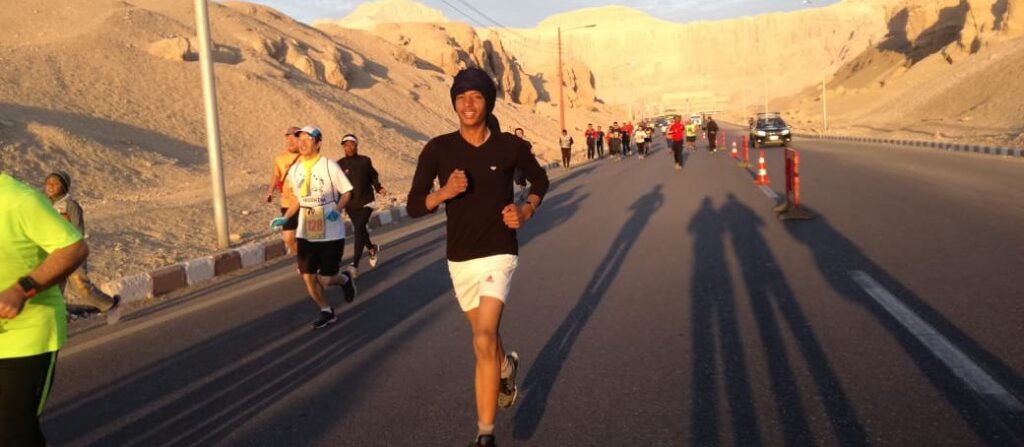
x,y
24,386
677,152
360,219
566,155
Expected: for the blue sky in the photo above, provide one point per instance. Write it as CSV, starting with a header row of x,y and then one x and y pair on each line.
x,y
526,13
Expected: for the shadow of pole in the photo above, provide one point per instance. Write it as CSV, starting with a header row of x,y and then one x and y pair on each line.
x,y
540,379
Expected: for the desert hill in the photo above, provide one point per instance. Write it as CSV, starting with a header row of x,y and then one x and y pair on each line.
x,y
946,69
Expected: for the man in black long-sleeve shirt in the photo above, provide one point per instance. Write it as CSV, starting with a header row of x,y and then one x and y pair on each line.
x,y
365,180
475,167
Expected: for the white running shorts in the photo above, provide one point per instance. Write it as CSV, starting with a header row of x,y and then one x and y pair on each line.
x,y
490,276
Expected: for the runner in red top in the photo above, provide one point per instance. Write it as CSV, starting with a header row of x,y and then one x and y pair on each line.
x,y
675,133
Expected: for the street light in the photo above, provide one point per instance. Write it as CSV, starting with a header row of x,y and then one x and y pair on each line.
x,y
561,82
220,213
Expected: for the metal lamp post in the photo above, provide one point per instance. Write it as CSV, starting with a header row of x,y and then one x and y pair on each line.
x,y
220,213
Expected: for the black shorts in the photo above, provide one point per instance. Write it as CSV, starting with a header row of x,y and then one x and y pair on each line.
x,y
323,258
293,223
24,386
691,139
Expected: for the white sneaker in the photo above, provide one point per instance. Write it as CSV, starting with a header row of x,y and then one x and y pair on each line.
x,y
374,253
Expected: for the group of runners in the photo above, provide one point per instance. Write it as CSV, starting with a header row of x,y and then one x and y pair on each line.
x,y
619,139
475,166
482,248
680,132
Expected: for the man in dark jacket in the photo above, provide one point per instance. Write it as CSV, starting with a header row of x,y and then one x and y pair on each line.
x,y
365,180
712,128
57,187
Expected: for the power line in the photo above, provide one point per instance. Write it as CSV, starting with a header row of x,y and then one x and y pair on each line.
x,y
482,25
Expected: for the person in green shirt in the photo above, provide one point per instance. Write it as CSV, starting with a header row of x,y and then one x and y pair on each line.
x,y
691,136
38,250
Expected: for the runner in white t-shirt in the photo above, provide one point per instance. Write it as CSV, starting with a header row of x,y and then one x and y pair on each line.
x,y
321,190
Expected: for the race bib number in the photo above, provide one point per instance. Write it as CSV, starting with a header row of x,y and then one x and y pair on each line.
x,y
314,223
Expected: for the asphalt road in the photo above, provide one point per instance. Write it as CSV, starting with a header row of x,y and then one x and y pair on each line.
x,y
650,307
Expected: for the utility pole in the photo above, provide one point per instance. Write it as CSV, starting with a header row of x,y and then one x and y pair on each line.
x,y
220,213
824,104
561,83
561,80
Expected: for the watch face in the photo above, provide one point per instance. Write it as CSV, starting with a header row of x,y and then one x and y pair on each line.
x,y
27,285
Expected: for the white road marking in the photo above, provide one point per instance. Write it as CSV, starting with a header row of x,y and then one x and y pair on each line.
x,y
959,363
768,192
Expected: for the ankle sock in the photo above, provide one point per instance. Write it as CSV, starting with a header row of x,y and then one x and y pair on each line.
x,y
483,430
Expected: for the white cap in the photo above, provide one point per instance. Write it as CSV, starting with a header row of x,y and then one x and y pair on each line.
x,y
312,131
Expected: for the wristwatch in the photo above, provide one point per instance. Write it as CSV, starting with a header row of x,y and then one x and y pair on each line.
x,y
28,285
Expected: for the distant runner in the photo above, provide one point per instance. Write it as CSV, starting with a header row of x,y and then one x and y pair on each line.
x,y
365,180
278,182
691,136
482,222
565,142
641,142
675,135
712,129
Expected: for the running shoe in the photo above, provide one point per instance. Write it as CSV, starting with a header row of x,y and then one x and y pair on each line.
x,y
507,390
349,288
679,167
325,319
484,441
374,252
115,302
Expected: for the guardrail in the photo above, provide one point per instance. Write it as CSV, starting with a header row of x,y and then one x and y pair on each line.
x,y
948,147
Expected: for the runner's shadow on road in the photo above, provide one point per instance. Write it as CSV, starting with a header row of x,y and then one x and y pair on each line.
x,y
713,317
556,210
541,378
837,257
199,396
778,317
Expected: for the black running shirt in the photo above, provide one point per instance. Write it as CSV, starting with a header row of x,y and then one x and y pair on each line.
x,y
475,225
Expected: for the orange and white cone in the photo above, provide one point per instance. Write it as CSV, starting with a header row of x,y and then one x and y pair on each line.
x,y
762,171
735,155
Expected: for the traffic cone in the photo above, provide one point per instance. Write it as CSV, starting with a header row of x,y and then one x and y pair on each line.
x,y
735,155
762,171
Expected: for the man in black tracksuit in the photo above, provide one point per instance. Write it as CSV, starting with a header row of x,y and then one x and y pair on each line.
x,y
365,180
712,129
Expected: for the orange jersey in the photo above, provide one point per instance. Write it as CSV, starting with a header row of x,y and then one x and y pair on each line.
x,y
282,163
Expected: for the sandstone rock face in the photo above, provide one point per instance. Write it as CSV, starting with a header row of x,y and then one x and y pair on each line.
x,y
176,49
372,13
451,47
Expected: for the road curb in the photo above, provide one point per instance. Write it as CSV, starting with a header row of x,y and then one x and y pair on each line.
x,y
998,151
184,274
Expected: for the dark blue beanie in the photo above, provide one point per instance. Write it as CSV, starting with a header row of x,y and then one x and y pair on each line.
x,y
475,79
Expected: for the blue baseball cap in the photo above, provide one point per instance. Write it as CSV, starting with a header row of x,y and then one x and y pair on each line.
x,y
312,131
